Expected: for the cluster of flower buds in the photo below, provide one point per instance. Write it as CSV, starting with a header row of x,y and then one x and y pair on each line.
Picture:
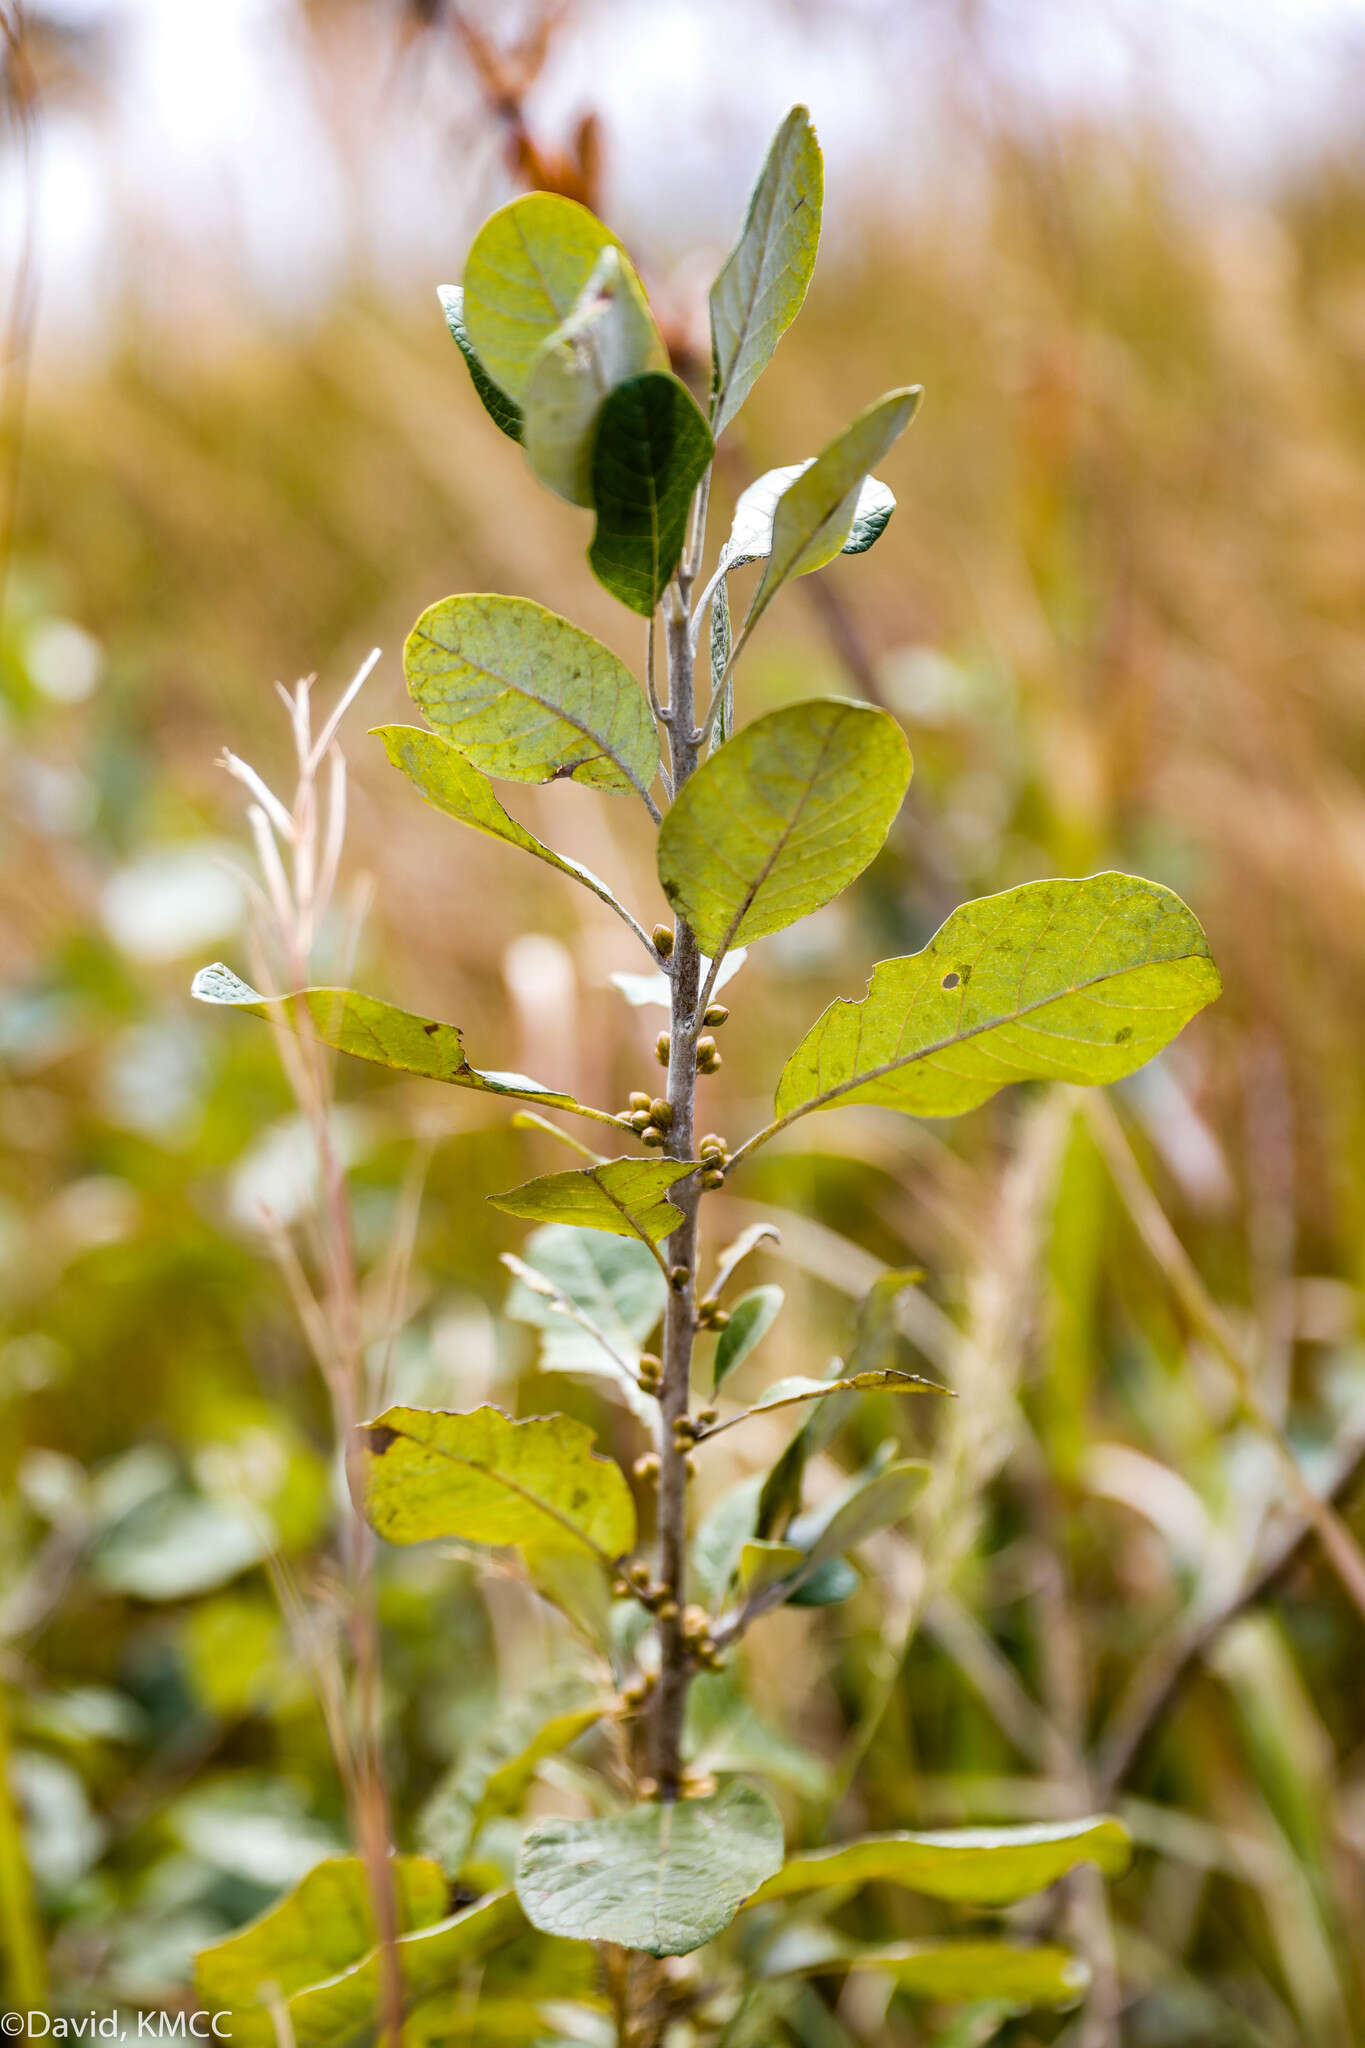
x,y
650,1116
650,1373
696,1629
685,1434
636,1582
710,1314
714,1157
634,1695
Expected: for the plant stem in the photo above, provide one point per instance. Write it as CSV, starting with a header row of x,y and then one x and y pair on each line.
x,y
680,1313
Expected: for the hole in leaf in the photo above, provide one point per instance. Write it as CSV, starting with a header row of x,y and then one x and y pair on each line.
x,y
951,980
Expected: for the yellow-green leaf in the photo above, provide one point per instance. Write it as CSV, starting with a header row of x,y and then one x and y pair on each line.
x,y
376,1031
815,514
628,1197
759,290
528,696
483,1478
1077,981
346,2009
503,411
980,1866
322,1926
663,1877
766,1561
782,818
524,274
651,450
609,337
1009,1974
450,781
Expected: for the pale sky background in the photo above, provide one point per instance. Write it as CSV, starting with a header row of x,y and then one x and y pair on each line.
x,y
220,165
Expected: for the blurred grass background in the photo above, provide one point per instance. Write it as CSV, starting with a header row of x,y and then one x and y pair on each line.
x,y
1121,614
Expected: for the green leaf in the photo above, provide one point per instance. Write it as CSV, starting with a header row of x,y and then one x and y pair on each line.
x,y
663,1878
1076,981
751,529
483,1478
451,783
871,517
782,818
373,1030
651,450
628,1197
523,277
502,410
498,1766
609,337
320,1927
979,1866
615,1295
1004,1972
528,696
764,278
345,2010
752,1316
785,1393
865,1506
830,1582
815,514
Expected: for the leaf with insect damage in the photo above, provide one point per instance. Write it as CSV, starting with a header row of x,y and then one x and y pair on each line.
x,y
1079,981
